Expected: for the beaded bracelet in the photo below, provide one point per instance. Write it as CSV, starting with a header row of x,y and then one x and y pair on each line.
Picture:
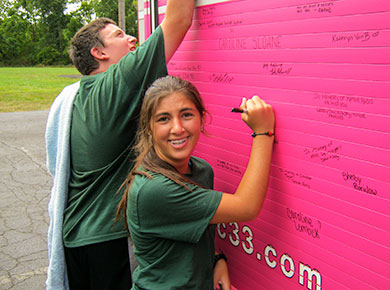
x,y
268,133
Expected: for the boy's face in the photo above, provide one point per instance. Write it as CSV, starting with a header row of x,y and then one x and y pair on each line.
x,y
116,43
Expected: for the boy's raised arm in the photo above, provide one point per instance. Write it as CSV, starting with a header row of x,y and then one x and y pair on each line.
x,y
177,21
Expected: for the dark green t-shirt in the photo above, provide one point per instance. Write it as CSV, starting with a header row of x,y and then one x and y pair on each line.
x,y
104,122
169,225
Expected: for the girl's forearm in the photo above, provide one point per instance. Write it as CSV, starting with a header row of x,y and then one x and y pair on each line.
x,y
254,184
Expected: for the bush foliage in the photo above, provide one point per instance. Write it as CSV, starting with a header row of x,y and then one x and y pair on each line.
x,y
38,32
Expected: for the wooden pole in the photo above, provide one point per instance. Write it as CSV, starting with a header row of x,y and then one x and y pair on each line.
x,y
121,15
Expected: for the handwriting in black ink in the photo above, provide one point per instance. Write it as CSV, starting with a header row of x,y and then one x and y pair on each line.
x,y
325,152
296,178
341,115
277,68
357,183
304,223
229,166
224,78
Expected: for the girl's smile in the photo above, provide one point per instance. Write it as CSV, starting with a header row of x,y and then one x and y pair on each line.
x,y
179,143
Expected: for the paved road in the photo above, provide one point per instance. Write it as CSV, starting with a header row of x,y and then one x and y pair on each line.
x,y
24,195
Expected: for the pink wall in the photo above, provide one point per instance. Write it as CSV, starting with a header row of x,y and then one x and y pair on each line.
x,y
325,67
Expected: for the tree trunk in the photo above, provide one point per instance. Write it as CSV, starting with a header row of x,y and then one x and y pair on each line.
x,y
121,15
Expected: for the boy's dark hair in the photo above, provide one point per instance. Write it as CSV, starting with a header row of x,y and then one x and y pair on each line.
x,y
82,43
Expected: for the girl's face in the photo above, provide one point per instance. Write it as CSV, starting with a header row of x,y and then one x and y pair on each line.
x,y
176,127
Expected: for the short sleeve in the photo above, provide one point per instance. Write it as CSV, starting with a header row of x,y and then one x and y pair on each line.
x,y
170,211
144,60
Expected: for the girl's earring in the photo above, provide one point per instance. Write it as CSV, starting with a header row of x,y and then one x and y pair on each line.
x,y
202,129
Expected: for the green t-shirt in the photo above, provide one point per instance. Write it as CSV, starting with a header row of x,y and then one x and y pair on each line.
x,y
169,226
104,122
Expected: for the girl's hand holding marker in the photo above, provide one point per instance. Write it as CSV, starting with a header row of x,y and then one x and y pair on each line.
x,y
258,115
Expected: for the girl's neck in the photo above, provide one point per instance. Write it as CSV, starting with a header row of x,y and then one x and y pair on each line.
x,y
183,168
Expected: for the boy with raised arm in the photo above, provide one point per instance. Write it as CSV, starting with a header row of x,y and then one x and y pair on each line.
x,y
89,136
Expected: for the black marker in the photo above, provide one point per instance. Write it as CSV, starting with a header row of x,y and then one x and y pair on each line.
x,y
238,110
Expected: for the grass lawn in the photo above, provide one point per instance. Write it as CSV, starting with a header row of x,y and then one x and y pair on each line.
x,y
33,88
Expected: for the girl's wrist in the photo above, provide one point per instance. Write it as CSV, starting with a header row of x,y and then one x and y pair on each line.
x,y
218,257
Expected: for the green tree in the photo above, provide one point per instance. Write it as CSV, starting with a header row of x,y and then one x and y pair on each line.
x,y
52,21
132,17
16,38
109,8
76,19
39,31
5,6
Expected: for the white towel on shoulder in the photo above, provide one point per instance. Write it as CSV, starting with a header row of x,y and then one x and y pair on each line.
x,y
57,137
